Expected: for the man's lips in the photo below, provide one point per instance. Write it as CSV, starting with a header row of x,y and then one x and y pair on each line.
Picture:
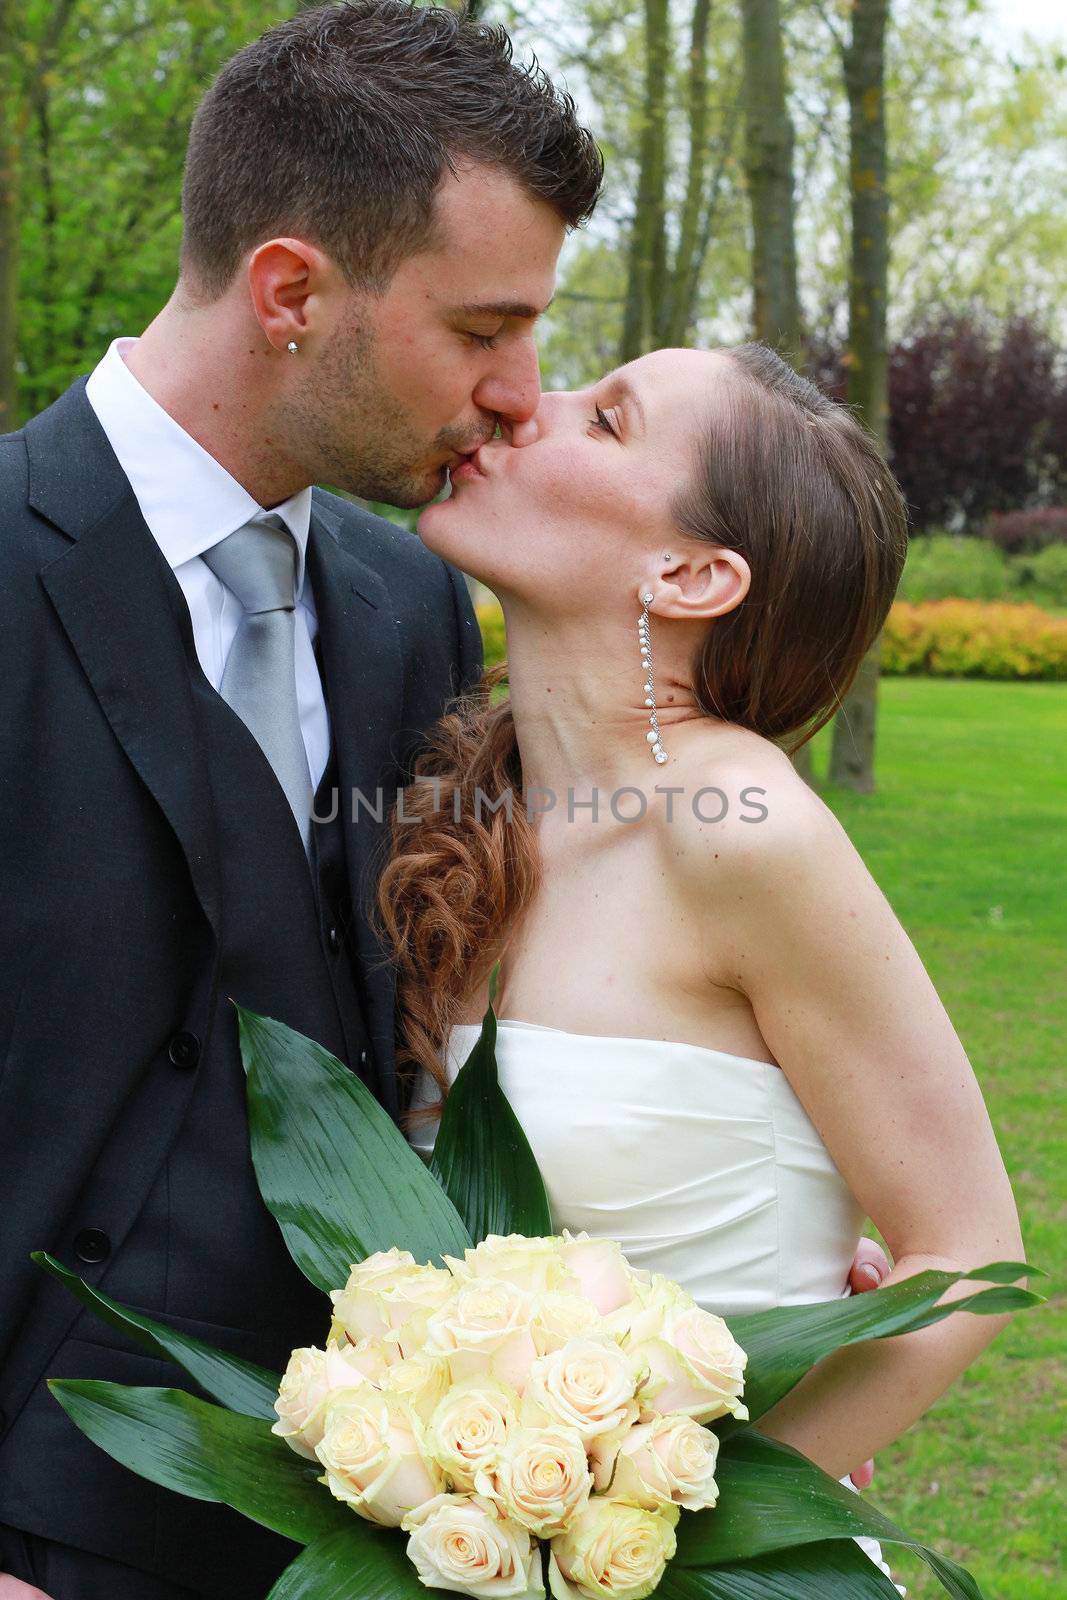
x,y
469,467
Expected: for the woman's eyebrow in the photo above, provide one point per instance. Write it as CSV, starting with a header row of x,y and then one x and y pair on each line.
x,y
623,389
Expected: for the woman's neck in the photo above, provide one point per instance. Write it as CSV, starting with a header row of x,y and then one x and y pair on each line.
x,y
578,700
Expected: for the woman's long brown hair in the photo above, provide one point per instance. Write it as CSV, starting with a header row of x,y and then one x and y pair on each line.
x,y
791,480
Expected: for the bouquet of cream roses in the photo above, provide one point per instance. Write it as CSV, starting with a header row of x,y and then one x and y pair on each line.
x,y
537,1389
497,1409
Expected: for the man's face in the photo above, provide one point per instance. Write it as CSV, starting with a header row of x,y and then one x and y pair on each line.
x,y
420,376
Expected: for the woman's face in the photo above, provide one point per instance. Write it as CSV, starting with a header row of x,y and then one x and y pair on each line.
x,y
568,514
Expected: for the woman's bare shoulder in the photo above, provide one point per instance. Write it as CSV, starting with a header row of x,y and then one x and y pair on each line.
x,y
740,806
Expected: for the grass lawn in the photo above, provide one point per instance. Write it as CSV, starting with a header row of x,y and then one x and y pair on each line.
x,y
967,836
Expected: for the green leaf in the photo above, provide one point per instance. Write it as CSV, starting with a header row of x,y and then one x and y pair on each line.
x,y
200,1450
772,1498
787,1341
481,1154
812,1572
238,1384
335,1170
360,1562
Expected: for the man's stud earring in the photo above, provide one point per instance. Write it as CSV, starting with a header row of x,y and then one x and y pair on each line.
x,y
292,347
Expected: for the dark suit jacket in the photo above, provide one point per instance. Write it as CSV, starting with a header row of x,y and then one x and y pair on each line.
x,y
109,930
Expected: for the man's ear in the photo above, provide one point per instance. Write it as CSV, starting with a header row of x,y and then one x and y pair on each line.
x,y
286,280
707,581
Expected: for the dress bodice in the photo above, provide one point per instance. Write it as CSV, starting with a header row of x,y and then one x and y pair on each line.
x,y
703,1165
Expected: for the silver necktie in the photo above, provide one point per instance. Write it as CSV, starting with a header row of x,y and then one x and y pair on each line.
x,y
258,563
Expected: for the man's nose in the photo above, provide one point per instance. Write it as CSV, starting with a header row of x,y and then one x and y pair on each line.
x,y
513,388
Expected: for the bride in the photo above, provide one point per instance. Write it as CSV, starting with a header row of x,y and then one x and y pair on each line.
x,y
721,1043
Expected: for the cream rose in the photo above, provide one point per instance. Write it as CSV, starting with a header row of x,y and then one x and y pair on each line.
x,y
461,1543
535,1265
373,1455
612,1552
558,1317
694,1364
420,1380
372,1357
387,1291
484,1329
311,1377
470,1426
601,1269
588,1384
540,1478
668,1460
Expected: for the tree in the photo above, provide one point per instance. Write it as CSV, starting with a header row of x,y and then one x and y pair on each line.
x,y
31,36
647,270
852,745
769,176
105,96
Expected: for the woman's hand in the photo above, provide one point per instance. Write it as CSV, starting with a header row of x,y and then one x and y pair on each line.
x,y
870,1267
15,1589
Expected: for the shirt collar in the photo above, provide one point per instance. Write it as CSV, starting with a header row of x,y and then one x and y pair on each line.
x,y
187,498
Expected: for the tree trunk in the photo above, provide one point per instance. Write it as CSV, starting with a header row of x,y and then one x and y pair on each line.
x,y
675,310
769,175
647,265
852,748
9,213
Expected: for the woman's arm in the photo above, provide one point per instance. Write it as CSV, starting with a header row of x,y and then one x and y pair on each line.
x,y
852,1017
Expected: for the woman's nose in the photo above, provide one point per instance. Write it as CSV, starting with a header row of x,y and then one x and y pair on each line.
x,y
521,433
532,428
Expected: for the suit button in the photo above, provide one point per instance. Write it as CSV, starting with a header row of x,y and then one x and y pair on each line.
x,y
92,1246
333,938
184,1049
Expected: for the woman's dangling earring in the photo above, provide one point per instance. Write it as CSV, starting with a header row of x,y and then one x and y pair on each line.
x,y
659,755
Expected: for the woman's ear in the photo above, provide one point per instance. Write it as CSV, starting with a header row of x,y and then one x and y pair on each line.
x,y
706,582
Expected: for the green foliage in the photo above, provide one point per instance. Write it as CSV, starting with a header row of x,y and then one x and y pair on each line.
x,y
234,1382
481,1155
1044,574
785,1343
359,1562
103,146
772,1498
967,836
943,566
206,1452
333,1168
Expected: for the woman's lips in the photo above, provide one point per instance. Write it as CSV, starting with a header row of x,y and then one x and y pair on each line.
x,y
468,470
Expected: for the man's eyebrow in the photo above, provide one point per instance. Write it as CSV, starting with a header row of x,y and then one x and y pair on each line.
x,y
503,308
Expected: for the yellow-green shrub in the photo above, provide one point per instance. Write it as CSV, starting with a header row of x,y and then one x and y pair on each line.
x,y
491,622
938,638
974,639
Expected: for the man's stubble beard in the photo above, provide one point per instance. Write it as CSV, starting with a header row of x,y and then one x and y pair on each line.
x,y
344,420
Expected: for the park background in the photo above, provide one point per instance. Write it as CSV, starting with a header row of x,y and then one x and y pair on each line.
x,y
878,188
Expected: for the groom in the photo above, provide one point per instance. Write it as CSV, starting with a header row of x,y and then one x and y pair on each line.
x,y
197,643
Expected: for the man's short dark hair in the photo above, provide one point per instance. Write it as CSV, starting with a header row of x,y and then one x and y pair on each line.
x,y
337,125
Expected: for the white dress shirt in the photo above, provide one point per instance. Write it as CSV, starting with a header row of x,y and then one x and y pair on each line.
x,y
190,502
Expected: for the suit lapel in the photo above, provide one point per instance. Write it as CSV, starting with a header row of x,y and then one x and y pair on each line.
x,y
363,674
125,616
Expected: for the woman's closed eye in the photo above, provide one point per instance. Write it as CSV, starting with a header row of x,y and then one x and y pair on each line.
x,y
602,420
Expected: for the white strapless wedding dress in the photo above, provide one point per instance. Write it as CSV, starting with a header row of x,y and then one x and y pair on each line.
x,y
703,1165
